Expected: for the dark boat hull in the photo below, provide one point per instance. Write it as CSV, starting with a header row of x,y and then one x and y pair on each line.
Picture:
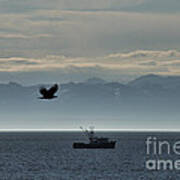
x,y
110,145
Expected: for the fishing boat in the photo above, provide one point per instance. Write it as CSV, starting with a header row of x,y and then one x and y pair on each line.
x,y
94,141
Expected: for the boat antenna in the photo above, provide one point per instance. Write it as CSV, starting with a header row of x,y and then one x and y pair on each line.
x,y
85,131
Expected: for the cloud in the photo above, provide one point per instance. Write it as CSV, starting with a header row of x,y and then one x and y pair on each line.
x,y
106,38
133,63
147,54
86,33
149,63
21,6
21,36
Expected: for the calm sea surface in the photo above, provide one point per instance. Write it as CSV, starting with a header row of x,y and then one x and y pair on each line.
x,y
50,156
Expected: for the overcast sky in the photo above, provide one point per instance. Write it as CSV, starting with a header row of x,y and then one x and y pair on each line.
x,y
71,40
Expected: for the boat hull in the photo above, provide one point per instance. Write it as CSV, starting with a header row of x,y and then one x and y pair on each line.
x,y
110,145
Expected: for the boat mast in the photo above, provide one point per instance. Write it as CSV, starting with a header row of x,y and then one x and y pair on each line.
x,y
89,134
85,132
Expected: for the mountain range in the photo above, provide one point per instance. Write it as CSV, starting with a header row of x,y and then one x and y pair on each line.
x,y
149,96
150,91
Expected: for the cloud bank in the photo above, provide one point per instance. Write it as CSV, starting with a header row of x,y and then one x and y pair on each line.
x,y
117,39
118,66
86,33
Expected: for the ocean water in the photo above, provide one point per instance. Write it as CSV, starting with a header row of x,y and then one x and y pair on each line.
x,y
50,156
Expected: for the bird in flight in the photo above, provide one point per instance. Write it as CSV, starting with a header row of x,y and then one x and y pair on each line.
x,y
48,93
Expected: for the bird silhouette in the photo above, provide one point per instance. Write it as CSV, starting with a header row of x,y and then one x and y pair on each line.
x,y
48,93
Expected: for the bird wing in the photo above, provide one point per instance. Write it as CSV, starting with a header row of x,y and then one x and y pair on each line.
x,y
43,91
53,89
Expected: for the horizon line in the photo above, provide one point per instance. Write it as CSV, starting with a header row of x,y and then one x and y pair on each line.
x,y
77,130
